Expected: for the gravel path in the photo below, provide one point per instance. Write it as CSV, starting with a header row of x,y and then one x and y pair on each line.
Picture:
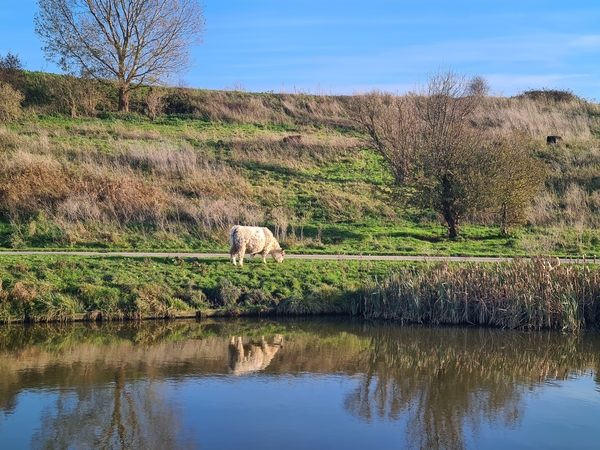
x,y
334,257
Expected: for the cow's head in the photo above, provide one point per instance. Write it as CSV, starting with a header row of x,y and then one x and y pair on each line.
x,y
278,254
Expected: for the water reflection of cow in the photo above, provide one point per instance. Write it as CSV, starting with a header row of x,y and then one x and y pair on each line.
x,y
253,356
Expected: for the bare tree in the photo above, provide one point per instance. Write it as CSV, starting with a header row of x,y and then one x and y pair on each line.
x,y
127,41
389,120
429,141
479,86
451,153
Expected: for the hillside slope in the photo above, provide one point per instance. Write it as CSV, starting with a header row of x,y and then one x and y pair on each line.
x,y
212,159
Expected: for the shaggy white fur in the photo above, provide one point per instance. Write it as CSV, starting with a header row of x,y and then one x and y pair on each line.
x,y
253,240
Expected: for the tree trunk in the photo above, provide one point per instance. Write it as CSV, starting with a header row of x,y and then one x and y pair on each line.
x,y
451,224
448,212
123,99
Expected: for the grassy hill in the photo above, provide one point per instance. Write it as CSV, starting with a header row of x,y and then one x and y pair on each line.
x,y
211,159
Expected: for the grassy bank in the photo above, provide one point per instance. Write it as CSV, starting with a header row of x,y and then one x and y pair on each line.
x,y
516,295
44,287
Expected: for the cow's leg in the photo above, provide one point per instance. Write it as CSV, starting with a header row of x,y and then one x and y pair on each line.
x,y
232,255
241,255
264,257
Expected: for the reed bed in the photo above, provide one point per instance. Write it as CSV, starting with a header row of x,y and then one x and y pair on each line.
x,y
541,294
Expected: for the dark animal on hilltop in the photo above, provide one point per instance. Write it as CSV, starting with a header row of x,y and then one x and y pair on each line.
x,y
254,241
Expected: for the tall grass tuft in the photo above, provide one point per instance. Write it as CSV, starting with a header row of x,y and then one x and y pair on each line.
x,y
322,299
540,294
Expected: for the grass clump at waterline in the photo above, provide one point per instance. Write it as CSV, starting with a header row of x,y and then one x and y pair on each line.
x,y
517,295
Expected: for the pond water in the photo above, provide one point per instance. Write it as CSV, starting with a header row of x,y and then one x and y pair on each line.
x,y
295,384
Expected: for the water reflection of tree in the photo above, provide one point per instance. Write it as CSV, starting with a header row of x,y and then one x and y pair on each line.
x,y
442,382
124,414
445,382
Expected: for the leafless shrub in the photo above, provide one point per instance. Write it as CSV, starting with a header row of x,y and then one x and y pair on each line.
x,y
238,86
156,102
282,221
392,124
11,70
479,86
75,94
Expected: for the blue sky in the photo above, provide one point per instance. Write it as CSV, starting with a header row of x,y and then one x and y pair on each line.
x,y
344,46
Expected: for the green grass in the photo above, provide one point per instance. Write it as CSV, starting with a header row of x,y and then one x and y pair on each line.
x,y
49,287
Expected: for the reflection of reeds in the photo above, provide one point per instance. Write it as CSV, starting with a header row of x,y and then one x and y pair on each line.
x,y
533,295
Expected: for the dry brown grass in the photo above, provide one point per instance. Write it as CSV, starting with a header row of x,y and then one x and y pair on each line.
x,y
10,103
97,175
10,140
270,149
571,120
32,182
159,183
533,295
236,106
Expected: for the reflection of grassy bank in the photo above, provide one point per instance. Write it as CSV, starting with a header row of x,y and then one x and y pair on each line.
x,y
444,382
310,344
509,295
395,361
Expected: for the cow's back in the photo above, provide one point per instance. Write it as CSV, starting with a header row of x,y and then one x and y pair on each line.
x,y
252,238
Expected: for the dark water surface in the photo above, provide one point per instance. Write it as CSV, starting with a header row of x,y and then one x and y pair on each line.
x,y
295,384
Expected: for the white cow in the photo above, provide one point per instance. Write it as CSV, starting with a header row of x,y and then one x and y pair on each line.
x,y
253,240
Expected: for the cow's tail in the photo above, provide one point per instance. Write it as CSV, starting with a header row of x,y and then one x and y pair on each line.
x,y
231,233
